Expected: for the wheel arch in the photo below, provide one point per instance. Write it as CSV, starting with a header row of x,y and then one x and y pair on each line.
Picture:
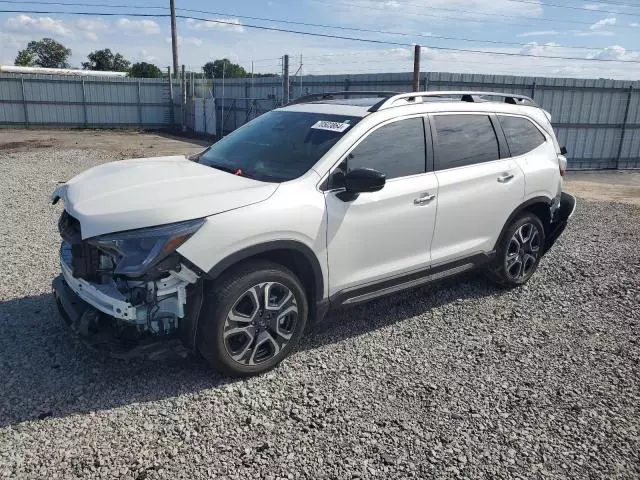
x,y
292,254
539,206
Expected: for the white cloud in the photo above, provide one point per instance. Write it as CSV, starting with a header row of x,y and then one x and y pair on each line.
x,y
536,49
539,33
27,24
600,24
195,41
634,24
230,24
91,36
615,52
138,27
91,24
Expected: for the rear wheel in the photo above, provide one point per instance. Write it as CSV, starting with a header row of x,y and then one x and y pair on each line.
x,y
520,251
252,318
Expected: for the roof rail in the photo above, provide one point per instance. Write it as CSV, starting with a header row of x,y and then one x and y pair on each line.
x,y
465,96
312,97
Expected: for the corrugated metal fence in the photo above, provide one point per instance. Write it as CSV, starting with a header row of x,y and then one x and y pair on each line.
x,y
597,120
46,100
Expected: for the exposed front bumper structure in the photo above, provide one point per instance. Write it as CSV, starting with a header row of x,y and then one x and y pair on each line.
x,y
107,314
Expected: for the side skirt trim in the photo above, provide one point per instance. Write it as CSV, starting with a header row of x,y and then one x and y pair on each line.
x,y
386,287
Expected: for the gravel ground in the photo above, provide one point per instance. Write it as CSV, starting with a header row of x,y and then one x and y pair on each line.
x,y
459,380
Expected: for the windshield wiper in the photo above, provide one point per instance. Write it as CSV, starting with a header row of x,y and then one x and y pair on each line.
x,y
224,168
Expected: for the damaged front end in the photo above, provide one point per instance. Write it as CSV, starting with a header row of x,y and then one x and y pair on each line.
x,y
126,293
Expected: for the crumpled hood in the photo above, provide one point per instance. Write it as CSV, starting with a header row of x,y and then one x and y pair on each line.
x,y
130,194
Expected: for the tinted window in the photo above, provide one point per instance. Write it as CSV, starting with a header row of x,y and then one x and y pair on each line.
x,y
522,135
464,140
396,149
277,146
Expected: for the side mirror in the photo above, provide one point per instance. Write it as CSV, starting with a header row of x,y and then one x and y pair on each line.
x,y
563,150
363,180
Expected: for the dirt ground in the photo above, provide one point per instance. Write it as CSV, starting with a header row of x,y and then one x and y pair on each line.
x,y
618,186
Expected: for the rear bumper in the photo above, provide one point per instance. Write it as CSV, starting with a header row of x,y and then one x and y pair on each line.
x,y
561,218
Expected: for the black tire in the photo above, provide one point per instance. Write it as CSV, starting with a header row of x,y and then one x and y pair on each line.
x,y
223,340
519,252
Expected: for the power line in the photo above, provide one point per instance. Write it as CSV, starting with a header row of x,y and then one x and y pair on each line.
x,y
383,32
466,19
573,7
323,35
337,27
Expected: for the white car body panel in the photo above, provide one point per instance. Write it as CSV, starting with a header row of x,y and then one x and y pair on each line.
x,y
131,194
295,212
380,234
473,206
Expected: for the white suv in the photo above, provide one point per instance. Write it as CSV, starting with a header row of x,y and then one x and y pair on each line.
x,y
334,199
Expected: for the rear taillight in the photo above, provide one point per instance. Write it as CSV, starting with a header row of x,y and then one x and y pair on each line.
x,y
562,164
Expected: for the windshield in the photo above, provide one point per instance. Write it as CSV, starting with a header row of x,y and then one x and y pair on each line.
x,y
277,146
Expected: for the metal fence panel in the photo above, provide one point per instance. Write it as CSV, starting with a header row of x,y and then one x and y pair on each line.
x,y
53,100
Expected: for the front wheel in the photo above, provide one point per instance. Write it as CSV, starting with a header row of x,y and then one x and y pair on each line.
x,y
252,318
520,251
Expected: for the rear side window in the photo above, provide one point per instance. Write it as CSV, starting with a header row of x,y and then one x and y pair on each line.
x,y
522,135
464,140
396,149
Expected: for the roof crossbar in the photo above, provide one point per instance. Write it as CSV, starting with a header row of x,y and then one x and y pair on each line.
x,y
464,96
313,97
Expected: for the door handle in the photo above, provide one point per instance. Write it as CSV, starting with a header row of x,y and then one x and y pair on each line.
x,y
505,177
424,199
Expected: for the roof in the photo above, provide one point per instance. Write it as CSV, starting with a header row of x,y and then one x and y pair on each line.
x,y
394,104
330,108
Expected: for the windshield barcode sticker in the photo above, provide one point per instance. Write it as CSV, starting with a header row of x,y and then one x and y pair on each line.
x,y
331,126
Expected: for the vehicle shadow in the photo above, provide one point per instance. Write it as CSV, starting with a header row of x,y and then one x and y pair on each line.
x,y
45,371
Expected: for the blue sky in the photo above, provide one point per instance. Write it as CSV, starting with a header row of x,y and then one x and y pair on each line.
x,y
607,31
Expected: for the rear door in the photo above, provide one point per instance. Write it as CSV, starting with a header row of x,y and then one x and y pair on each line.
x,y
479,186
534,153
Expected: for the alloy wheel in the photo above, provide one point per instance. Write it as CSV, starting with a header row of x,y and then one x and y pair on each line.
x,y
260,323
523,252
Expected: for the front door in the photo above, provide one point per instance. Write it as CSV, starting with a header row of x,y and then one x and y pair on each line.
x,y
386,233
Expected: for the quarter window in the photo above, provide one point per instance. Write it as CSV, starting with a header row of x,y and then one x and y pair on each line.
x,y
396,149
464,140
522,135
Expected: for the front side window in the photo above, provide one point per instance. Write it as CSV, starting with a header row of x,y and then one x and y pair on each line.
x,y
277,146
522,135
396,149
464,140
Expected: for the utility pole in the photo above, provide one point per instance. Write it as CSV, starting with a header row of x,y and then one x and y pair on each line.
x,y
183,100
174,36
285,90
416,68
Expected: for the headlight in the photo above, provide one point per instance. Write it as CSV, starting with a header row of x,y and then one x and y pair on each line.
x,y
137,251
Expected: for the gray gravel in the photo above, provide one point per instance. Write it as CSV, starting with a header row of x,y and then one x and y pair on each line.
x,y
460,380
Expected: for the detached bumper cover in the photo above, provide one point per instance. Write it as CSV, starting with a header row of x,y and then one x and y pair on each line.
x,y
561,218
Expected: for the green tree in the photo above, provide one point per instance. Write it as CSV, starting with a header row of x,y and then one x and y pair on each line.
x,y
231,70
45,53
105,60
144,70
24,59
